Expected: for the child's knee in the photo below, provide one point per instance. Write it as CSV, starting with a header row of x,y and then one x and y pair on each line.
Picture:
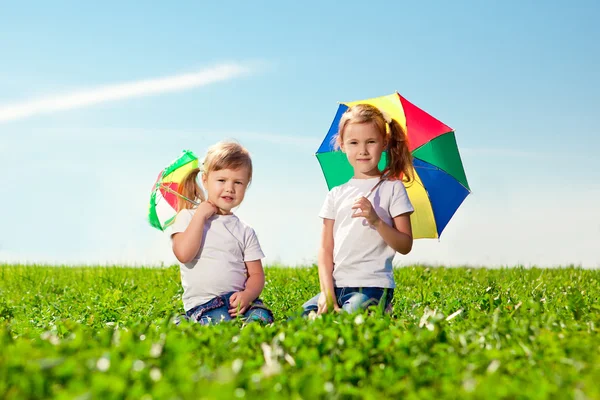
x,y
356,302
310,305
260,314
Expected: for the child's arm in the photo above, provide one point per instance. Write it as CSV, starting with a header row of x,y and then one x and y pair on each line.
x,y
325,264
187,244
240,301
399,237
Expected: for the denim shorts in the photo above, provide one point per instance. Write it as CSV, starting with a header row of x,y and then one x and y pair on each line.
x,y
217,310
352,299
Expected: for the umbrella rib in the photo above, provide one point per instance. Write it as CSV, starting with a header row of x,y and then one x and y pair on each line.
x,y
168,189
374,187
440,169
383,179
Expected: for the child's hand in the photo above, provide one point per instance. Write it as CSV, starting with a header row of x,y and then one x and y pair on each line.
x,y
323,307
366,210
206,209
239,302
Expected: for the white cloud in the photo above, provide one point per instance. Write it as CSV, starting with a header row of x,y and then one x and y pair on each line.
x,y
533,226
543,221
517,155
83,98
538,225
299,140
504,152
108,137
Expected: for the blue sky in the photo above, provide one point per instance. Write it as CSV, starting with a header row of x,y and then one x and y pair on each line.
x,y
518,82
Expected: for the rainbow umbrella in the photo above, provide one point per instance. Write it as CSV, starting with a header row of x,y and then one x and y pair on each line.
x,y
440,183
165,194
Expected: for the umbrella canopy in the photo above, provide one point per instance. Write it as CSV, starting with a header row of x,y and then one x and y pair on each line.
x,y
440,184
165,195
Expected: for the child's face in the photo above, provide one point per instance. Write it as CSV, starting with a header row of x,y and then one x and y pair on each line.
x,y
226,188
363,145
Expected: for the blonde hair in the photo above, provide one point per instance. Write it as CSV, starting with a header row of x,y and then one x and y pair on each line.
x,y
223,155
399,159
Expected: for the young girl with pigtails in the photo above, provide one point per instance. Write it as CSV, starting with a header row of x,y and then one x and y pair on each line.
x,y
366,221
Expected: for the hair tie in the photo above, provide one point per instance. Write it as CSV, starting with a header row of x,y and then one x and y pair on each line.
x,y
386,117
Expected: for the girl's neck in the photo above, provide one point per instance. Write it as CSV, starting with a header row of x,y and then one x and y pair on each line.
x,y
367,175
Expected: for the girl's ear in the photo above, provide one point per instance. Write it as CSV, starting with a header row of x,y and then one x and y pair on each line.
x,y
386,140
204,179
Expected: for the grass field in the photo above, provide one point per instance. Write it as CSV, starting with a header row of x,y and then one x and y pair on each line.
x,y
107,332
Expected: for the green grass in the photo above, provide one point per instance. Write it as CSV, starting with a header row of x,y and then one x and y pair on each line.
x,y
107,332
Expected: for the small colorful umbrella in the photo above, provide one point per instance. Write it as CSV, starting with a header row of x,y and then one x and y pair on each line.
x,y
440,184
165,192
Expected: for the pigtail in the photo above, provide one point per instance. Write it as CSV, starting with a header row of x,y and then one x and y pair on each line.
x,y
190,189
399,162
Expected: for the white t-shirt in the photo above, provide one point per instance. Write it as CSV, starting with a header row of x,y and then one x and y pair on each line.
x,y
361,258
219,266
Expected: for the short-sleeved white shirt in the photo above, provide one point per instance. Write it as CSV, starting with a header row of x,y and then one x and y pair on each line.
x,y
361,257
219,267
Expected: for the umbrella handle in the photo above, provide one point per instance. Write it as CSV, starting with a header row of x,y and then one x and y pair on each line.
x,y
374,187
370,192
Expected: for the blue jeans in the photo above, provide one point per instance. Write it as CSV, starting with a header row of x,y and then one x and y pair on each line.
x,y
352,299
217,310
